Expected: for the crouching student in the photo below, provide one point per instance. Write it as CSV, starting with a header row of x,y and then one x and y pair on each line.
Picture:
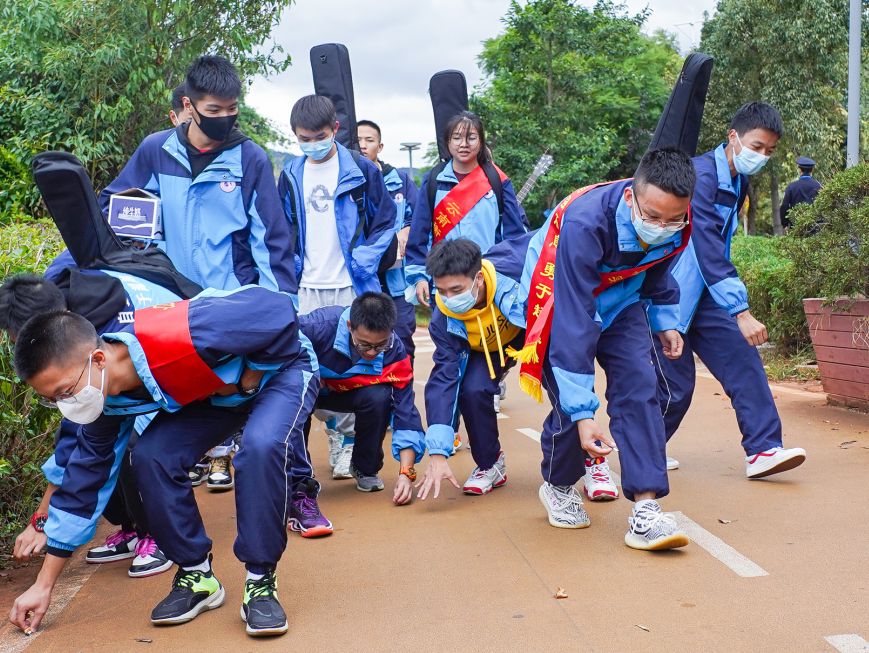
x,y
715,319
209,374
614,243
478,313
365,370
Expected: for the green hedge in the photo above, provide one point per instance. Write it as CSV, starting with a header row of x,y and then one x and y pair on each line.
x,y
26,428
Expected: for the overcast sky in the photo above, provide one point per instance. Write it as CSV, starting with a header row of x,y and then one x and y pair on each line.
x,y
396,45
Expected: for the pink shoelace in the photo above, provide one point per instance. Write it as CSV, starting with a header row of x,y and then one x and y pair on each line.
x,y
146,546
119,537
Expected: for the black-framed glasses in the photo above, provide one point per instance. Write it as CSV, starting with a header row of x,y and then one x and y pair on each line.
x,y
69,394
365,347
670,225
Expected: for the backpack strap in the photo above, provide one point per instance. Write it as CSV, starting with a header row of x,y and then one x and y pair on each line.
x,y
358,196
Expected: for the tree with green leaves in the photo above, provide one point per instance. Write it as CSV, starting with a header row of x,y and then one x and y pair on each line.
x,y
587,84
793,55
94,77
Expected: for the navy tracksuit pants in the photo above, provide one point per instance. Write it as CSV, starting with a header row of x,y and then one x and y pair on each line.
x,y
717,340
273,428
625,353
405,325
372,408
477,403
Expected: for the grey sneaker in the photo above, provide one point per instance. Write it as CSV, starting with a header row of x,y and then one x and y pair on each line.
x,y
365,483
341,469
564,506
652,529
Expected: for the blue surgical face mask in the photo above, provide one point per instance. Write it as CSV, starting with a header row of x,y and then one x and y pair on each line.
x,y
462,302
748,162
651,234
318,150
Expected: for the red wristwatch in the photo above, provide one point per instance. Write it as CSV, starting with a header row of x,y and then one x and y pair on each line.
x,y
38,521
410,472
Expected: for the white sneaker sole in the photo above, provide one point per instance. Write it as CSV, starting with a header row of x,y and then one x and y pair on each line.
x,y
212,602
114,558
369,489
674,541
782,465
222,487
554,522
601,495
150,572
341,476
264,632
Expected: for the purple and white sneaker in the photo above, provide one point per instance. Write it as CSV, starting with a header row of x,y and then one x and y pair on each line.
x,y
305,516
149,560
120,545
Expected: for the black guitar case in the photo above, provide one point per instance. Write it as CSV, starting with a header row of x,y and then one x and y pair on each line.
x,y
449,96
69,196
679,125
330,65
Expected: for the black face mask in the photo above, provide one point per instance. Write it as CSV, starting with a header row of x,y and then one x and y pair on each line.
x,y
217,129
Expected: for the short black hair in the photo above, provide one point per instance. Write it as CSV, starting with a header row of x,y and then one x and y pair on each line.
x,y
313,112
806,170
757,115
177,100
50,339
669,169
458,256
26,295
373,125
373,310
212,75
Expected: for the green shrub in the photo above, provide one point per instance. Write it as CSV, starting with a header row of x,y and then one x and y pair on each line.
x,y
774,297
25,426
829,242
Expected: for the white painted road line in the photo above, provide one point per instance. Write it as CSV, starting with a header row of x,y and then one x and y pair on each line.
x,y
719,549
531,433
848,643
424,350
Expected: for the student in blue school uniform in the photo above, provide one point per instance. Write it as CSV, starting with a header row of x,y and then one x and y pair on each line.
x,y
614,244
715,318
342,221
404,193
365,370
208,374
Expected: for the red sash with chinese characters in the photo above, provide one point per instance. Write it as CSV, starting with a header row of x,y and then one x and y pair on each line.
x,y
457,203
540,299
163,331
398,374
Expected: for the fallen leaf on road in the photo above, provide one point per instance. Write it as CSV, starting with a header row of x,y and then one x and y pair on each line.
x,y
844,445
725,521
560,593
642,627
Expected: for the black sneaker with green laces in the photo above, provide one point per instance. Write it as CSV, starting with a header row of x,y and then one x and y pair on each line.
x,y
261,609
192,592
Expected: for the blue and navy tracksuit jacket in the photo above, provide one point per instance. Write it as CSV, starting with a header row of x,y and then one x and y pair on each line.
x,y
327,330
266,339
363,259
482,224
404,193
705,264
451,340
597,236
225,228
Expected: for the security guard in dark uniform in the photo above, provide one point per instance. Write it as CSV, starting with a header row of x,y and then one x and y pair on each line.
x,y
802,191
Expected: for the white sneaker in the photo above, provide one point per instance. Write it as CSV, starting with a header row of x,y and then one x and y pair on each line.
x,y
598,482
564,506
502,389
497,400
672,464
483,481
336,442
773,461
652,529
342,465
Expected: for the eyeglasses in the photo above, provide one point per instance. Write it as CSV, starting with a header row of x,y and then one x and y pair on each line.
x,y
470,139
670,225
364,347
69,395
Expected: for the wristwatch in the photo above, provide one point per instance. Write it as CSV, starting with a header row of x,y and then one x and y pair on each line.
x,y
38,521
410,472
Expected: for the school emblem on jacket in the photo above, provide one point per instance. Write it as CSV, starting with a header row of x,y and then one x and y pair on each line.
x,y
227,186
399,197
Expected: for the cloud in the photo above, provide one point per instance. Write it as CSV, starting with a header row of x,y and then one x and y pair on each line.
x,y
395,47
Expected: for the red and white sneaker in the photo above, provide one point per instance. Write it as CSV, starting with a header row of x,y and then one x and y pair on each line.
x,y
483,481
598,482
773,461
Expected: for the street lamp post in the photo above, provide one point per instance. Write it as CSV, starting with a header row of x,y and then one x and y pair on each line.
x,y
410,147
853,143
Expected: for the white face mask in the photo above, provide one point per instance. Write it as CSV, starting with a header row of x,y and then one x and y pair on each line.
x,y
748,162
86,405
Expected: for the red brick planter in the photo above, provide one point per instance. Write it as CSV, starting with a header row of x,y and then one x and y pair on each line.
x,y
840,336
